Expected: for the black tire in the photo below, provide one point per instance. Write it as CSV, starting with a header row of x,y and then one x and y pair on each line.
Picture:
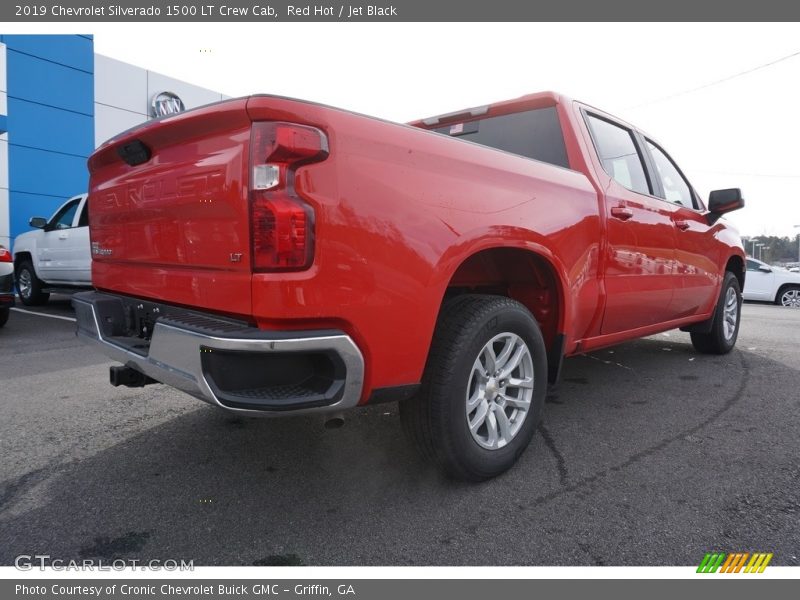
x,y
786,290
716,341
436,418
4,312
32,294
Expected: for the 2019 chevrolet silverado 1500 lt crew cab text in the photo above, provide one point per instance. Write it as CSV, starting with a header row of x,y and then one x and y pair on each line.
x,y
274,256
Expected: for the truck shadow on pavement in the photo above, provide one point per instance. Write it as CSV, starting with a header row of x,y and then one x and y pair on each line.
x,y
648,454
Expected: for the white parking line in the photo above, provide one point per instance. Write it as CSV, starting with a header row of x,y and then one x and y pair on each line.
x,y
29,312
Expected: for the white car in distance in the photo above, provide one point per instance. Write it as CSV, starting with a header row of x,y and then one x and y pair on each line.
x,y
6,284
771,284
55,256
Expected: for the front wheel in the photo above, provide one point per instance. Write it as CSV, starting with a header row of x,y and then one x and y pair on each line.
x,y
483,388
789,296
725,327
29,286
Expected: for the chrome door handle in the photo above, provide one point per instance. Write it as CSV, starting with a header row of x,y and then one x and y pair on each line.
x,y
621,212
682,225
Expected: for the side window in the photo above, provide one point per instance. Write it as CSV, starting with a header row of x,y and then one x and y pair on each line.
x,y
83,220
65,217
618,154
752,265
676,189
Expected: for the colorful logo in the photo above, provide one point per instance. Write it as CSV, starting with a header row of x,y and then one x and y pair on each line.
x,y
735,562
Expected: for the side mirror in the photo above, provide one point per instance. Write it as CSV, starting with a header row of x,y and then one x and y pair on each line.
x,y
764,268
724,201
38,222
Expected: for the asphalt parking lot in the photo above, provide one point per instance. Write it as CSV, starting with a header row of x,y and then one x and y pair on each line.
x,y
649,454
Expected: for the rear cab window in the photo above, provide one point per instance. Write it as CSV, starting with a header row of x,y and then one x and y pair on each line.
x,y
533,133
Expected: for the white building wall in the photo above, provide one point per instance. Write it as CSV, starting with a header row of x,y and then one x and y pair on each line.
x,y
122,97
123,94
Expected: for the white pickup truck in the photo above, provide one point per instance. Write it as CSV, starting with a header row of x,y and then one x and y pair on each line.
x,y
56,255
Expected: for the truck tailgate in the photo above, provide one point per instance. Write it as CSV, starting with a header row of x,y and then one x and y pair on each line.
x,y
168,210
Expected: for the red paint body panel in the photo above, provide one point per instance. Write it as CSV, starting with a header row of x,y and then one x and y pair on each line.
x,y
169,228
397,211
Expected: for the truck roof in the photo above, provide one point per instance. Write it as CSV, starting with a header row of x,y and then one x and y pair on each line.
x,y
504,107
527,102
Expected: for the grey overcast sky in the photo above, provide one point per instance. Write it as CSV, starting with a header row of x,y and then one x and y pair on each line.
x,y
702,90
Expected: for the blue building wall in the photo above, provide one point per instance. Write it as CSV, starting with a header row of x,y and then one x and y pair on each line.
x,y
50,122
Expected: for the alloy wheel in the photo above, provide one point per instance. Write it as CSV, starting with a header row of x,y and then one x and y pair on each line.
x,y
500,390
791,298
25,283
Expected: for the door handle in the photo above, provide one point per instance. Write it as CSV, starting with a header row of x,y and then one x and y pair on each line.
x,y
63,236
622,213
682,225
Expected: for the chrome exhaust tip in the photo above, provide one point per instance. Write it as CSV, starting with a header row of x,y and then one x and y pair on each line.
x,y
334,421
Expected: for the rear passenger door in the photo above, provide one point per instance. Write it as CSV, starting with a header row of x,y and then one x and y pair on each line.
x,y
640,251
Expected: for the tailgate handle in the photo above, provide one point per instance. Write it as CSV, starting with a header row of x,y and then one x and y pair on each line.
x,y
621,212
134,153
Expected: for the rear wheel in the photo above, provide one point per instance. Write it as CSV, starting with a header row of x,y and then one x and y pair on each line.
x,y
4,312
29,286
483,388
727,315
789,296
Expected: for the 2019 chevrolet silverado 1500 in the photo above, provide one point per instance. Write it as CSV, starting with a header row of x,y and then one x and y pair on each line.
x,y
273,257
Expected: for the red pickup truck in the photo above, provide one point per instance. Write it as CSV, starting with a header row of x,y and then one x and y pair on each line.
x,y
277,257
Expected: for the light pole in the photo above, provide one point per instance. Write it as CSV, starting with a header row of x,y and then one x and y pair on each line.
x,y
759,246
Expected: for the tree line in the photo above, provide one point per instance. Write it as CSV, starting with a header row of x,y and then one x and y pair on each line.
x,y
774,249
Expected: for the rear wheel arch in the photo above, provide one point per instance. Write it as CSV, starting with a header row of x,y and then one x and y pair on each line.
x,y
522,274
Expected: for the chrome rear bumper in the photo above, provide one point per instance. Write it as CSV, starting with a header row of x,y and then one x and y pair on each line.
x,y
176,349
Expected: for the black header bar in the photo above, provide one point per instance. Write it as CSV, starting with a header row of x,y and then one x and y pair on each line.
x,y
241,11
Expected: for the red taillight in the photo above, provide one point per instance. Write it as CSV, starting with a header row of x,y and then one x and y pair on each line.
x,y
282,223
5,255
280,233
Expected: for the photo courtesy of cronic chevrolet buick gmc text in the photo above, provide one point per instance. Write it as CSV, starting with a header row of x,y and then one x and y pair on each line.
x,y
276,257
